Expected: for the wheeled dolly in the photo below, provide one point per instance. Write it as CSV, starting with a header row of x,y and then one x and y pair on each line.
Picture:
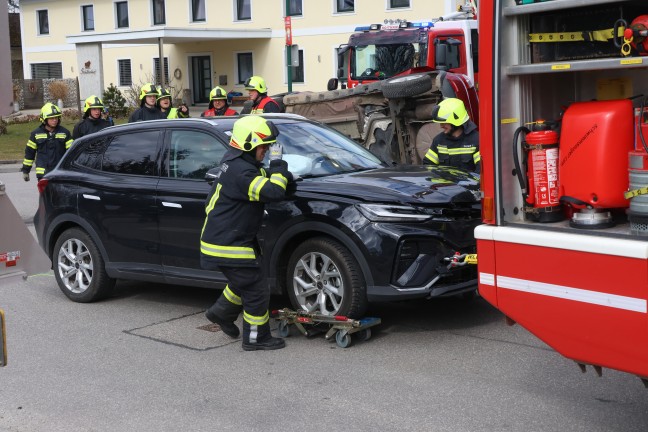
x,y
340,326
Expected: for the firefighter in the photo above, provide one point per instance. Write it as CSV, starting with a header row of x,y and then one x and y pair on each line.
x,y
164,105
148,109
218,104
258,93
458,144
47,143
92,120
228,241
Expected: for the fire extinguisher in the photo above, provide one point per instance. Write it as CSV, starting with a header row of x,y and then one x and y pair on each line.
x,y
539,179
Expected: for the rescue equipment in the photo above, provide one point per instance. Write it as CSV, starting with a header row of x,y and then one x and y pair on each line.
x,y
540,160
638,175
634,35
340,326
595,140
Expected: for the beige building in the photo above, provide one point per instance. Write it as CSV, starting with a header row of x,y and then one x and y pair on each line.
x,y
204,42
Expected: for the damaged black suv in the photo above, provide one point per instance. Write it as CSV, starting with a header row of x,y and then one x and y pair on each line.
x,y
128,203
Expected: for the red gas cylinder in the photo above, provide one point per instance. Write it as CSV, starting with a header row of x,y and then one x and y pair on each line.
x,y
594,143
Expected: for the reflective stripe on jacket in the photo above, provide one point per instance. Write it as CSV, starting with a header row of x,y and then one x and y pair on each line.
x,y
267,105
46,149
459,152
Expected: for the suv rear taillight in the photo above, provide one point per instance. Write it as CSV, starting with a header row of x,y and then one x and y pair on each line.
x,y
42,184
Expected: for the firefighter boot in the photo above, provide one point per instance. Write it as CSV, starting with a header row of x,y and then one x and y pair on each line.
x,y
258,337
224,313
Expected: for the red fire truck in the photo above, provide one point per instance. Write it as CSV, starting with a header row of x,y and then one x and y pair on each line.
x,y
399,47
563,250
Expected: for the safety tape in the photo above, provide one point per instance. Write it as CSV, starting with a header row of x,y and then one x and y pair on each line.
x,y
588,36
636,192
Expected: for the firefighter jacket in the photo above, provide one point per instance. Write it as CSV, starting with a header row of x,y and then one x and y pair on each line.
x,y
235,209
89,125
174,113
145,113
213,112
265,104
46,148
460,152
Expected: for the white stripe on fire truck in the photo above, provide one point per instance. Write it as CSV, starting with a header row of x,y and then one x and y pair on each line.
x,y
568,293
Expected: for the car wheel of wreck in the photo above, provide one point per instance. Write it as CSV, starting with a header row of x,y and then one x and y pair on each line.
x,y
79,268
407,86
323,277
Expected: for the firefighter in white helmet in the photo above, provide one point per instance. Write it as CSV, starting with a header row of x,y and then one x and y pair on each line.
x,y
228,242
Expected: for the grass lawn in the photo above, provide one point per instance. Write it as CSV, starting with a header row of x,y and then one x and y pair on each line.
x,y
12,145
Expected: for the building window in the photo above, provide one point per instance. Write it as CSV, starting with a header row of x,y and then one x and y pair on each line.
x,y
344,6
298,71
243,10
121,9
398,4
124,70
294,8
88,17
46,70
244,63
159,17
158,79
43,22
197,10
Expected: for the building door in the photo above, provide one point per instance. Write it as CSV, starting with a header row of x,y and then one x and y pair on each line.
x,y
201,78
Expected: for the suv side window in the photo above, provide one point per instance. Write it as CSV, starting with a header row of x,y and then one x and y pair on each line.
x,y
132,153
193,153
90,155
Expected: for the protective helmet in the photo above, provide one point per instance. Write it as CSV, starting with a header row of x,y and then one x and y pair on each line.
x,y
148,89
49,111
451,110
163,93
256,83
252,131
92,102
217,93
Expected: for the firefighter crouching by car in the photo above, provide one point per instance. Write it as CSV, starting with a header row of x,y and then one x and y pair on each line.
x,y
148,109
458,144
92,121
218,104
228,241
258,93
47,143
164,105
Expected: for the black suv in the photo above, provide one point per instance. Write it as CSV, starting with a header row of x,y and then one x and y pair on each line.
x,y
128,203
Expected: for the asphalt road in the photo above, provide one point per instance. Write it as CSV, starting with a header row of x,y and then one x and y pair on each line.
x,y
142,361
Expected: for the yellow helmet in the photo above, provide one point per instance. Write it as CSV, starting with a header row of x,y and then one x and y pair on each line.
x,y
252,131
92,102
148,89
256,83
217,93
163,93
49,111
451,110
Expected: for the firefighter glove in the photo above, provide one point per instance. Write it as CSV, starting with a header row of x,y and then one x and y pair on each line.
x,y
276,152
25,176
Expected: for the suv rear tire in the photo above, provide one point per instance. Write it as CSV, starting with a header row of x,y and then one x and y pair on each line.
x,y
324,277
406,86
79,268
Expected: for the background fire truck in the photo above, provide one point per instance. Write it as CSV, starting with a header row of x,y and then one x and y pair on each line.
x,y
564,248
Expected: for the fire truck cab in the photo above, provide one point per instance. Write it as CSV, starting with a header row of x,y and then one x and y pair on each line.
x,y
396,47
563,250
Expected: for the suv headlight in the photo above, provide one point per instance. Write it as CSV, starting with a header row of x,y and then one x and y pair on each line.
x,y
392,213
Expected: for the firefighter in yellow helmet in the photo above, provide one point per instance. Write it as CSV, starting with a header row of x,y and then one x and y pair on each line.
x,y
258,93
458,144
228,242
164,105
92,121
47,143
218,105
148,109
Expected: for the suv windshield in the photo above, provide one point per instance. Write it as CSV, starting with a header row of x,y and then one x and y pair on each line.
x,y
313,150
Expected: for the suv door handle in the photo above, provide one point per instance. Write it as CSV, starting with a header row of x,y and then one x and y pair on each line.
x,y
91,197
170,204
